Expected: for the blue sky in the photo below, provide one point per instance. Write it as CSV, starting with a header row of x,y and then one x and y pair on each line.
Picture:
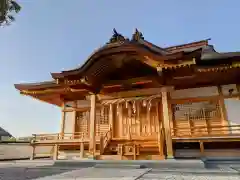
x,y
52,35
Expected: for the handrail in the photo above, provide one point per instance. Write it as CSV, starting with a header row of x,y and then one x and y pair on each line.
x,y
203,131
104,140
203,127
59,136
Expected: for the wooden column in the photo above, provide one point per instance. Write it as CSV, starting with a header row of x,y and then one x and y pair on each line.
x,y
120,119
63,120
166,123
201,148
55,152
111,117
159,124
129,123
74,121
92,128
81,150
223,110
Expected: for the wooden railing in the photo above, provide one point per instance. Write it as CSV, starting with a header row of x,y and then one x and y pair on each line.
x,y
59,136
206,131
104,140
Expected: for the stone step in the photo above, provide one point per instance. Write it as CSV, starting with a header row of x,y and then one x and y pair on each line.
x,y
120,166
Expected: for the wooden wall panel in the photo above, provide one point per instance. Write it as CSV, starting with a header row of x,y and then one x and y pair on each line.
x,y
69,122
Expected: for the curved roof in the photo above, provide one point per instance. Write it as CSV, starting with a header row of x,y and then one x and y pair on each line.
x,y
120,44
109,58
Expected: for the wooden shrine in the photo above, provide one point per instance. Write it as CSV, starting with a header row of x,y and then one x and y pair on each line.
x,y
134,100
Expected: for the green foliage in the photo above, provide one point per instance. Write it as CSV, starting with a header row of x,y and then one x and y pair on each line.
x,y
7,10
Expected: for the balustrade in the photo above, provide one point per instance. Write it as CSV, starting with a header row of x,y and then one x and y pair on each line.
x,y
206,131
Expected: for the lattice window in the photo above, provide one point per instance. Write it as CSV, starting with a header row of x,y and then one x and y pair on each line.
x,y
198,110
104,115
190,118
82,119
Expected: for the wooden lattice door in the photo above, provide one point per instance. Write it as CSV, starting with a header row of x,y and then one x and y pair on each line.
x,y
82,124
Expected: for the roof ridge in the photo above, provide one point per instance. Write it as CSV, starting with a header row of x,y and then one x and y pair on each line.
x,y
191,44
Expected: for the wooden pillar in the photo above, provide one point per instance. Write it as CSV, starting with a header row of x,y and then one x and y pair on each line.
x,y
134,152
201,148
33,152
120,119
166,123
81,150
63,120
223,110
111,117
74,121
92,128
129,123
55,152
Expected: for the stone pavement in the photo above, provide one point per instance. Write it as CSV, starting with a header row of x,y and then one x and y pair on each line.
x,y
180,175
23,171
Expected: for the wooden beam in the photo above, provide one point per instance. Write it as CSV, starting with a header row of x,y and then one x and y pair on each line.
x,y
132,93
133,81
198,99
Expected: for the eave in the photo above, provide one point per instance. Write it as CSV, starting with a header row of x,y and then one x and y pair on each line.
x,y
36,86
128,48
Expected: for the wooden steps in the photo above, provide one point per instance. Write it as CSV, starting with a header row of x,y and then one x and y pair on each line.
x,y
144,146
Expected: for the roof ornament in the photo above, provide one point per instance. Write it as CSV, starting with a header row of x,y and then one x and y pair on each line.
x,y
116,37
137,35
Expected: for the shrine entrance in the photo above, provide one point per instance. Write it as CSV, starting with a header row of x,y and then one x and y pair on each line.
x,y
138,117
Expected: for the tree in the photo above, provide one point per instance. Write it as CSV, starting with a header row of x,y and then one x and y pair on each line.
x,y
7,10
